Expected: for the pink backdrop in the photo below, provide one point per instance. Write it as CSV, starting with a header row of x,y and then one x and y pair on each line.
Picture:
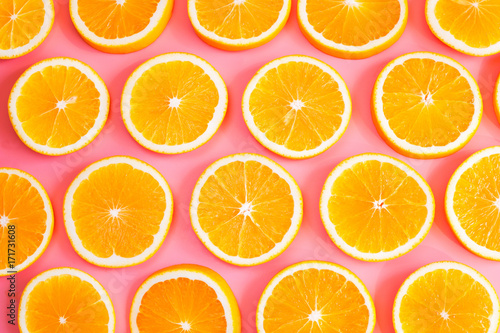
x,y
182,171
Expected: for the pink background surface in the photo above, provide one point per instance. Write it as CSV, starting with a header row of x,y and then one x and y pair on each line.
x,y
182,171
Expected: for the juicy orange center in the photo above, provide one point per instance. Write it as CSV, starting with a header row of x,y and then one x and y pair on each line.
x,y
181,305
297,105
118,210
20,22
427,103
376,207
245,208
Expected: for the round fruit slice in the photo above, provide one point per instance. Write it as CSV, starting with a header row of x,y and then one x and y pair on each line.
x,y
117,212
472,203
26,220
174,103
120,26
246,209
496,98
376,207
469,26
24,25
352,29
235,25
446,297
185,298
58,106
65,300
297,106
315,296
426,105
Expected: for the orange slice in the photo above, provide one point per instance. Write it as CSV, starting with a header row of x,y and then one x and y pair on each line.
x,y
376,207
24,25
174,103
117,212
472,203
65,300
426,105
316,297
496,98
58,106
26,220
469,26
246,209
446,297
235,25
120,26
297,106
352,29
185,298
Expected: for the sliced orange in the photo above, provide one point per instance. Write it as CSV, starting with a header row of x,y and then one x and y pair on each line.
x,y
316,297
24,25
26,220
120,26
185,298
297,106
376,207
238,24
496,98
117,212
352,29
65,300
426,105
472,203
246,209
58,106
468,26
446,297
174,103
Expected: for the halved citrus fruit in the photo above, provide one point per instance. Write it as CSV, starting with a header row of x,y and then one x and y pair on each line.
x,y
352,29
185,298
496,98
235,25
26,220
469,26
297,106
376,207
315,296
58,106
65,300
426,105
24,25
117,212
446,297
472,203
174,103
120,26
246,209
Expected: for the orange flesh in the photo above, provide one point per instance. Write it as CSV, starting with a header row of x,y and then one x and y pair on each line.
x,y
427,103
235,21
476,202
66,296
29,18
321,106
224,198
136,199
23,206
165,124
476,26
446,293
107,19
353,25
40,114
340,303
375,207
168,304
